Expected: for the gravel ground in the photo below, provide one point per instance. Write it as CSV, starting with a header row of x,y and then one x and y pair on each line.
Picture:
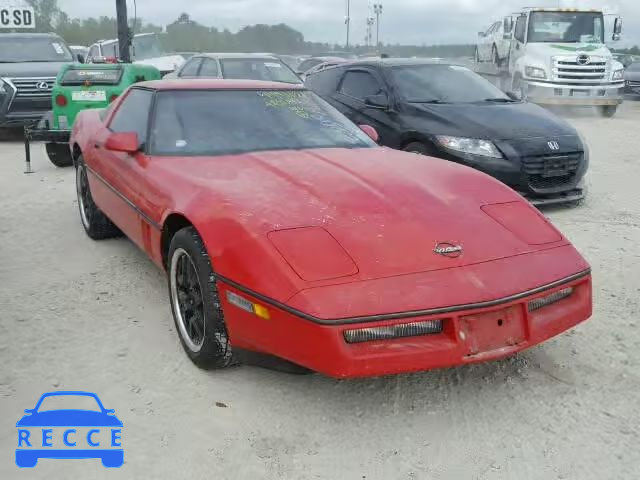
x,y
81,315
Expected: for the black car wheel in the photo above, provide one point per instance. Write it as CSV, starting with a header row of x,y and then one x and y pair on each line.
x,y
59,154
95,223
609,111
195,302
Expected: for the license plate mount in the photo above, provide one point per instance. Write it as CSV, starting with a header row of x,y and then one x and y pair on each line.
x,y
486,332
89,96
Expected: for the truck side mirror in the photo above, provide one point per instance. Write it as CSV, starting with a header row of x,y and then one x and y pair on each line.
x,y
80,58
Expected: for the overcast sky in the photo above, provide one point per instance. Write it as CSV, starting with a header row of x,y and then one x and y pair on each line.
x,y
403,21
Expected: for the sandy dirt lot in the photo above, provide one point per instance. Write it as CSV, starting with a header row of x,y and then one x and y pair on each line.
x,y
81,315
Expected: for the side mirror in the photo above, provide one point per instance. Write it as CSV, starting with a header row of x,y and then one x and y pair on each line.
x,y
371,132
98,60
617,27
109,411
126,142
380,101
80,58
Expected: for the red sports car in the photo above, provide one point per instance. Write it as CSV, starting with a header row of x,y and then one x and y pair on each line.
x,y
286,231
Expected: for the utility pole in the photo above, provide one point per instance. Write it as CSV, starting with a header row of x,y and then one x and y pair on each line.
x,y
377,8
124,35
348,21
370,22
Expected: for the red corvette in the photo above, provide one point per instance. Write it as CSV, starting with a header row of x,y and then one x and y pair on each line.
x,y
285,230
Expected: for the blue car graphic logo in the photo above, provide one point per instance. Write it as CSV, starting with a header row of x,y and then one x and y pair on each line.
x,y
62,433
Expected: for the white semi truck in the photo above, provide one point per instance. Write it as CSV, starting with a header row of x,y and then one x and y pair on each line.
x,y
558,56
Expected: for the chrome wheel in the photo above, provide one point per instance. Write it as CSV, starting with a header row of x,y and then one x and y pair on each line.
x,y
186,297
85,200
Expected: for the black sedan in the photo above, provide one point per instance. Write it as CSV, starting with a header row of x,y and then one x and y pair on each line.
x,y
448,111
632,78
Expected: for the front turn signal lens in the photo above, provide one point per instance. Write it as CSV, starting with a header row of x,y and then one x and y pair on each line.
x,y
248,306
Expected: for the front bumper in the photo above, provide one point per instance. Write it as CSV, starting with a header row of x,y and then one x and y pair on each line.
x,y
477,333
579,95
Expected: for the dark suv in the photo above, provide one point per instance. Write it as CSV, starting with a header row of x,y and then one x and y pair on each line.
x,y
29,63
447,111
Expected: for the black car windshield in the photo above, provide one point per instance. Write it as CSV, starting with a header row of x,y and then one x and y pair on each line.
x,y
14,49
210,122
439,83
566,27
270,70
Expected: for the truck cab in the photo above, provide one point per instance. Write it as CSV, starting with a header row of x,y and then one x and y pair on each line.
x,y
559,56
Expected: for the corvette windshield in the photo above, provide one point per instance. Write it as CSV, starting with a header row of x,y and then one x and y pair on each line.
x,y
229,122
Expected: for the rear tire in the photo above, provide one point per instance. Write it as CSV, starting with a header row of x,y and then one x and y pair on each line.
x,y
195,302
95,223
609,111
417,147
59,154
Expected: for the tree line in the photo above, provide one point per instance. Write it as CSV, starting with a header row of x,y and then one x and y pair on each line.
x,y
187,35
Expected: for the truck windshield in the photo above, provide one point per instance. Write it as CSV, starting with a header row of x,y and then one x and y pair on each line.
x,y
14,49
566,27
443,84
147,46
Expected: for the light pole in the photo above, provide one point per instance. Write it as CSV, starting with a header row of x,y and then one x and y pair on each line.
x,y
377,8
347,20
370,22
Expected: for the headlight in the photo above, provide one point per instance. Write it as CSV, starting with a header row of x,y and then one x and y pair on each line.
x,y
535,72
618,75
473,146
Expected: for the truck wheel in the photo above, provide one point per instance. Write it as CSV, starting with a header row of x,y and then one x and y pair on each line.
x,y
609,111
496,57
195,302
59,154
95,223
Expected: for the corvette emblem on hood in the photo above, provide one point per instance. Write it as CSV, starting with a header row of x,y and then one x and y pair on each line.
x,y
447,249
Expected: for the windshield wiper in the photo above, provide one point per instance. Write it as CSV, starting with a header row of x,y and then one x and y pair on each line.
x,y
499,100
433,102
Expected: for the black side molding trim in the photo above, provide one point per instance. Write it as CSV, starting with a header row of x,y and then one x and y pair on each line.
x,y
400,315
129,203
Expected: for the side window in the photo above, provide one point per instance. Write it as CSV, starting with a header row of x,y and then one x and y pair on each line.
x,y
190,68
520,29
209,68
359,84
110,50
133,114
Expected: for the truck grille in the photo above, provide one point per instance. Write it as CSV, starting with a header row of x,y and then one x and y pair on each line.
x,y
569,70
547,173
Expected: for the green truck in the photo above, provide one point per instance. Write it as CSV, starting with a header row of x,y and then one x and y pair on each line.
x,y
79,87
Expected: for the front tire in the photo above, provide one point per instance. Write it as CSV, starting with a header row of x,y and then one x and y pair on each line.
x,y
95,223
195,302
609,111
59,154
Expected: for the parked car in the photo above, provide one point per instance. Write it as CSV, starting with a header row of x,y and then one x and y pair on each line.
x,y
632,78
80,52
239,66
309,63
448,111
321,67
492,46
29,63
147,49
285,230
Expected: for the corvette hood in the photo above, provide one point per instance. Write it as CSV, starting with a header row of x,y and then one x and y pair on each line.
x,y
508,121
388,210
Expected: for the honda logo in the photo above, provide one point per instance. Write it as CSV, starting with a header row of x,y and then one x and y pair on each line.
x,y
554,145
42,86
